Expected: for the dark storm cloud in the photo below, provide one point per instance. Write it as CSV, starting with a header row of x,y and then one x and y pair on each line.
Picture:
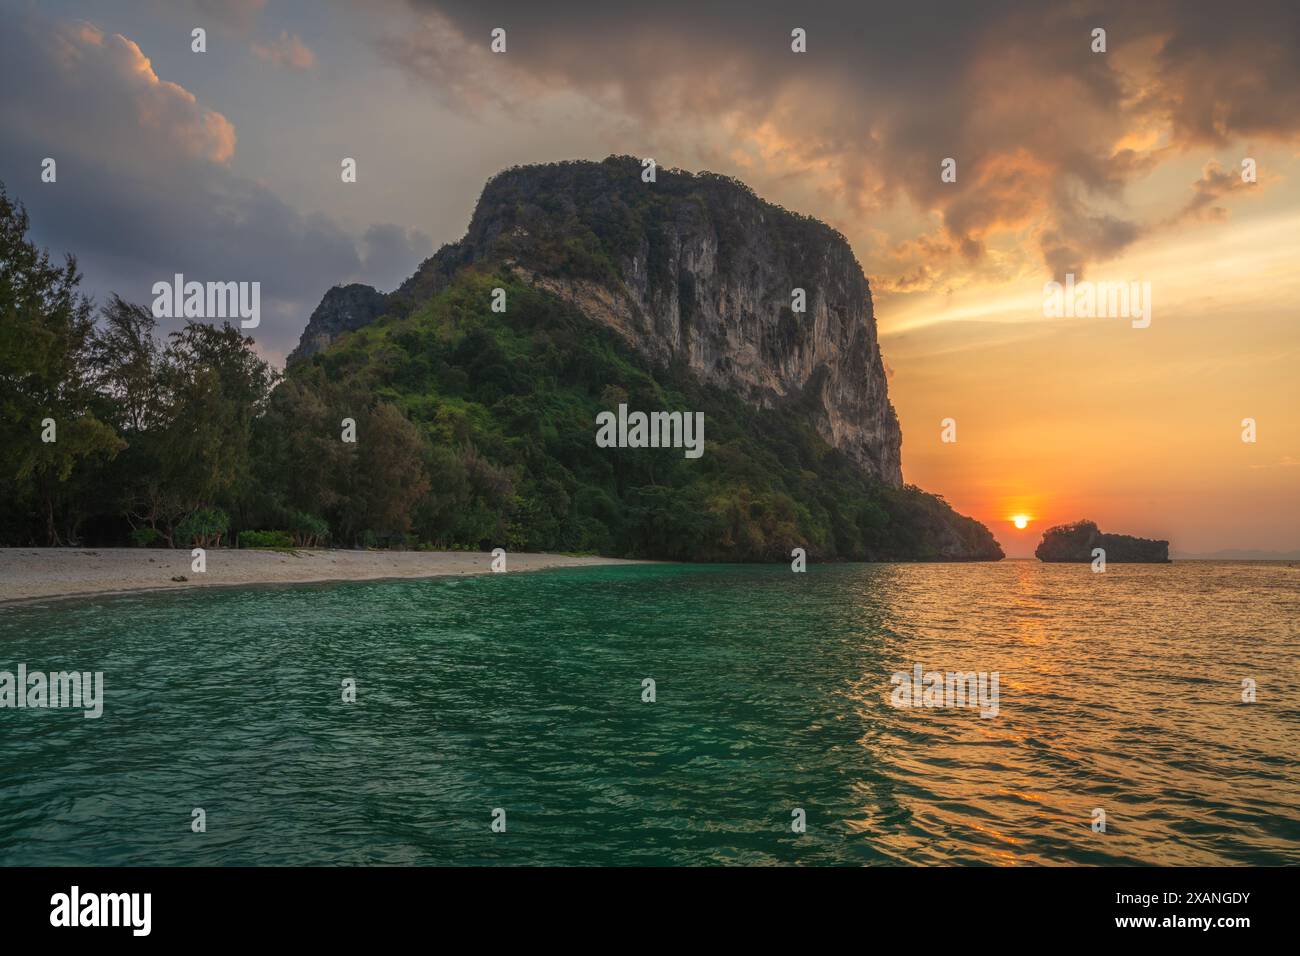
x,y
1037,122
144,188
388,253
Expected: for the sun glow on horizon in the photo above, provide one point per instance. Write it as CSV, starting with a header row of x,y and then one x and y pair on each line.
x,y
1020,521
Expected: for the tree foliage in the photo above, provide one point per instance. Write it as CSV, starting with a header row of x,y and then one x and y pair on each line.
x,y
51,429
473,429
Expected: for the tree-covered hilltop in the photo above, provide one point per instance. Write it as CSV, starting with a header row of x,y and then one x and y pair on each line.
x,y
587,220
473,429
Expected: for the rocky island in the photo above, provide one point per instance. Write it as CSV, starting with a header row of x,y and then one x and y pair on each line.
x,y
1075,542
690,293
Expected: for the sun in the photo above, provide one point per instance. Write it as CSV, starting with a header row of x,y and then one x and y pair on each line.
x,y
1020,521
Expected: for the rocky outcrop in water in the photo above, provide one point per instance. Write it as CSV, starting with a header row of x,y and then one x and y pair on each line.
x,y
1075,542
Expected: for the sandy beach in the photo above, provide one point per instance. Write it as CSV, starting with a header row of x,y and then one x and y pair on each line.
x,y
28,574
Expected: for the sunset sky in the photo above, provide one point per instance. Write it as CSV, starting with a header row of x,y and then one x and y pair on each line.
x,y
1115,166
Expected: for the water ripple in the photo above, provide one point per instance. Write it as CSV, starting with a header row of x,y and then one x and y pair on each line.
x,y
1119,691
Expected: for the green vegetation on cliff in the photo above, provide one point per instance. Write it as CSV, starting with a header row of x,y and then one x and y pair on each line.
x,y
503,408
585,220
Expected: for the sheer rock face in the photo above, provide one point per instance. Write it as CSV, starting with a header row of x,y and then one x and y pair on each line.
x,y
705,274
689,268
343,309
743,336
1075,542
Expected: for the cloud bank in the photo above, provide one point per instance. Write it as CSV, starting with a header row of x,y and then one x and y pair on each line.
x,y
145,187
1047,133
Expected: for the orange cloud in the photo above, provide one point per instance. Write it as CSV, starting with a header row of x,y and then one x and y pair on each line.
x,y
161,106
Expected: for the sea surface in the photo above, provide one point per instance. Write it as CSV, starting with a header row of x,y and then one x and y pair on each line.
x,y
1119,692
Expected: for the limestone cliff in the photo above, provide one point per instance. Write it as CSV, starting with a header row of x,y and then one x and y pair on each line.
x,y
693,269
343,309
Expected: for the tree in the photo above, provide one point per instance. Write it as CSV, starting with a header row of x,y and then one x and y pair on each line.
x,y
125,356
296,447
212,387
383,474
48,425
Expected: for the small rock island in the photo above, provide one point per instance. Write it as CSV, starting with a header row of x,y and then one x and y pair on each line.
x,y
1075,542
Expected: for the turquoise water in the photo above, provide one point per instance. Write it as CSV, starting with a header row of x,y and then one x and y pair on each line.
x,y
1119,691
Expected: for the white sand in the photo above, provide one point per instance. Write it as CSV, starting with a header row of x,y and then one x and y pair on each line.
x,y
28,574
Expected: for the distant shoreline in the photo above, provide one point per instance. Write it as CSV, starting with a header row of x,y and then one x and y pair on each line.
x,y
37,574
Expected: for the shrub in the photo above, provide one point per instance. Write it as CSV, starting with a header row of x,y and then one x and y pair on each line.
x,y
145,537
269,540
308,530
202,529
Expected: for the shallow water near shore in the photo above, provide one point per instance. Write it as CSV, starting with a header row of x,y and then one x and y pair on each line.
x,y
1120,691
